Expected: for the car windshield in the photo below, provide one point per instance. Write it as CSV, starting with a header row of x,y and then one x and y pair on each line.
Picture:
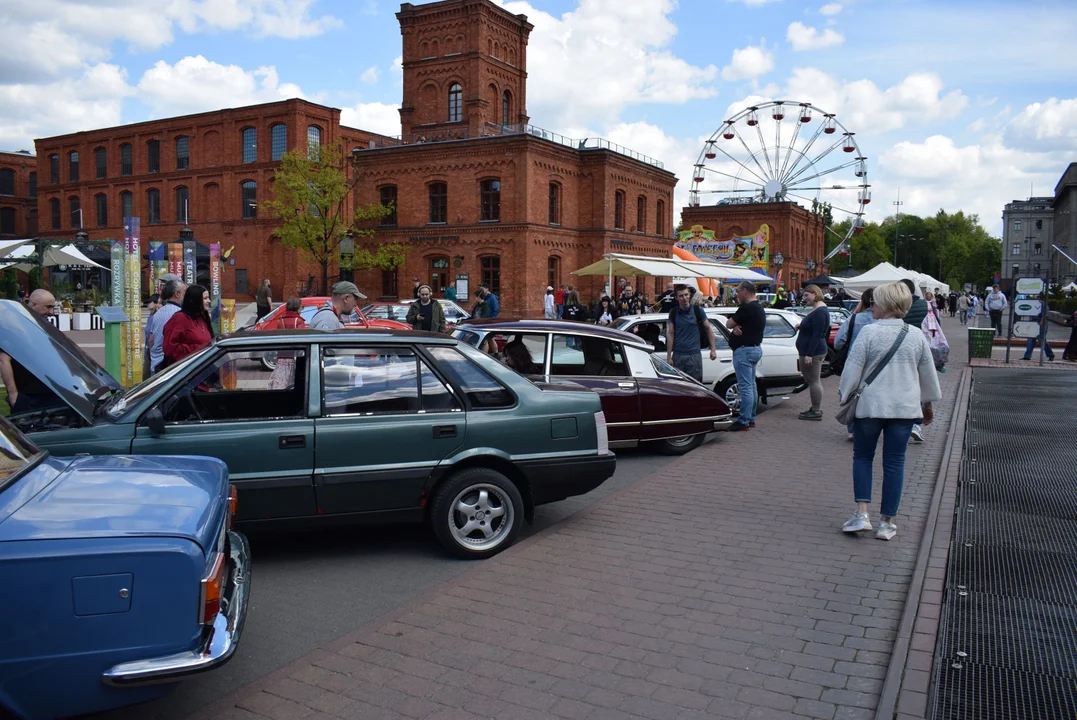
x,y
16,453
117,404
470,337
620,322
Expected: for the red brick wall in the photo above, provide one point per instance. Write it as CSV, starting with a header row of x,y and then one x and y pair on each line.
x,y
25,207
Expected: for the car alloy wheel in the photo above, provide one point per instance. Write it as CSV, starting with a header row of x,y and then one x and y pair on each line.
x,y
269,361
477,512
680,445
729,391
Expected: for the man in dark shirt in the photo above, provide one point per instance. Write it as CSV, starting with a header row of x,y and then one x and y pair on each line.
x,y
746,338
426,314
25,392
684,337
628,303
668,300
918,309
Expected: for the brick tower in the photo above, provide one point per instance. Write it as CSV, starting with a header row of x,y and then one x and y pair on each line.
x,y
465,68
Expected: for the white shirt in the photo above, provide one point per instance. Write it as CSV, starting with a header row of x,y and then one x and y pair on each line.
x,y
907,381
548,304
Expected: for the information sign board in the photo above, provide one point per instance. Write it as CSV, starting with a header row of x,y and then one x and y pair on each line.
x,y
1030,286
1026,329
1028,308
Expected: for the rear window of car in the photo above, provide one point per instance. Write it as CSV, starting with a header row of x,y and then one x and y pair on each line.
x,y
468,336
16,452
482,389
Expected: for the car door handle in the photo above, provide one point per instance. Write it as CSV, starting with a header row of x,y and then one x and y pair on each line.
x,y
444,431
626,385
292,442
727,361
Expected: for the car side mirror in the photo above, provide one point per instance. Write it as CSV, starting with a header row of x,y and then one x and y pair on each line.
x,y
155,421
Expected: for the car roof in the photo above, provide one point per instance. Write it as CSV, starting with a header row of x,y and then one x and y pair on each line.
x,y
554,326
390,335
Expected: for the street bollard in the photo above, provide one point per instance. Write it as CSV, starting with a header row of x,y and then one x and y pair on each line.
x,y
115,319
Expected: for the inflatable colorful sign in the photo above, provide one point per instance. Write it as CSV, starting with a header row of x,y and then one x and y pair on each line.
x,y
745,250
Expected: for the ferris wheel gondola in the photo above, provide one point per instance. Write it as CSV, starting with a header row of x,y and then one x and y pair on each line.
x,y
747,160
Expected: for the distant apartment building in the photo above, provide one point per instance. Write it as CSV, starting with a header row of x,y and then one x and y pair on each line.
x,y
18,194
1065,226
1026,238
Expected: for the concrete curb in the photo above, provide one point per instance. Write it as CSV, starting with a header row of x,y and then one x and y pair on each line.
x,y
955,444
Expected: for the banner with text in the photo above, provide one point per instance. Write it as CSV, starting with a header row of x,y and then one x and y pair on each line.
x,y
117,257
751,251
188,261
215,286
133,300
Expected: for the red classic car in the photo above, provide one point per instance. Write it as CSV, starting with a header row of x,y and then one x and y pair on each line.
x,y
310,306
644,399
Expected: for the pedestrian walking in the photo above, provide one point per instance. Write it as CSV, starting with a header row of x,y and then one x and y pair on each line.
x,y
936,338
963,306
426,314
605,312
952,303
190,329
549,307
684,333
746,328
345,296
559,301
1070,353
668,300
172,293
1030,343
263,299
628,303
811,344
574,309
290,319
863,315
996,304
892,374
490,301
915,316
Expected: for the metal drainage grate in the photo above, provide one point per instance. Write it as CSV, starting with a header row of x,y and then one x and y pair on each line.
x,y
982,692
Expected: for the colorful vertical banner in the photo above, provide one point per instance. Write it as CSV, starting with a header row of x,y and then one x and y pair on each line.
x,y
215,286
188,261
175,259
117,256
133,300
228,374
158,265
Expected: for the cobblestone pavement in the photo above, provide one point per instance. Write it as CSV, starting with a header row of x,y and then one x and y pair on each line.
x,y
719,587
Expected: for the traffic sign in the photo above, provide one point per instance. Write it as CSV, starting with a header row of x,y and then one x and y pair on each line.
x,y
1028,308
1030,286
1026,329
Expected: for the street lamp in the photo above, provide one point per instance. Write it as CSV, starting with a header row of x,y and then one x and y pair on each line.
x,y
811,267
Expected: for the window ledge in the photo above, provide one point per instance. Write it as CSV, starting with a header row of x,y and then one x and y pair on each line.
x,y
553,224
490,221
439,222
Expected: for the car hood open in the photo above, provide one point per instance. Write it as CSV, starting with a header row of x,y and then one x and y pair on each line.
x,y
53,358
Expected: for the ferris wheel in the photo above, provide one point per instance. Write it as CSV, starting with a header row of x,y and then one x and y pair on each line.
x,y
756,157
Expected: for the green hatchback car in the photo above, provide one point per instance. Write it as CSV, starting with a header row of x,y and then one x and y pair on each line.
x,y
350,426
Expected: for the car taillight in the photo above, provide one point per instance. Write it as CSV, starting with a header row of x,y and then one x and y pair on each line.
x,y
233,503
603,434
211,591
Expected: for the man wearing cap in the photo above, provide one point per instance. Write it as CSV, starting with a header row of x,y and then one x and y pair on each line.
x,y
426,314
548,304
343,302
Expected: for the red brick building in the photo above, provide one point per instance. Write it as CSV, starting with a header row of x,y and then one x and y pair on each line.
x,y
18,193
209,172
794,232
481,195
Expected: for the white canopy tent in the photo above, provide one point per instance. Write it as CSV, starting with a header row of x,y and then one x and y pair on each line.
x,y
9,246
886,273
1072,287
65,255
620,264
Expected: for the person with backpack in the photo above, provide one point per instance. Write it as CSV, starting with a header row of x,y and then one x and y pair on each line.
x,y
863,316
684,336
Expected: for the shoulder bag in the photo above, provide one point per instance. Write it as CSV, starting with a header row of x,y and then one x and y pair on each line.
x,y
847,410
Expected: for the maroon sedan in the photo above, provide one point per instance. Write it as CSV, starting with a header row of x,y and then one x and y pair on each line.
x,y
643,398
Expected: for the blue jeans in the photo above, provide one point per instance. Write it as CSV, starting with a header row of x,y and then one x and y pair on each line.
x,y
560,311
744,361
1030,345
895,434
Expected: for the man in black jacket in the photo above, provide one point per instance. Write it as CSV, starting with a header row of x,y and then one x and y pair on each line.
x,y
918,309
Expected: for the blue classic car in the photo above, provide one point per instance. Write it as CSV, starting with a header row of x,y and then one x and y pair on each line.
x,y
119,576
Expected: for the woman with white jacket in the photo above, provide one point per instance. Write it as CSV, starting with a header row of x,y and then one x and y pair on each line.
x,y
899,397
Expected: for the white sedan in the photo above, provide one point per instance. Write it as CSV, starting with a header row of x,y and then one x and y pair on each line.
x,y
781,327
779,367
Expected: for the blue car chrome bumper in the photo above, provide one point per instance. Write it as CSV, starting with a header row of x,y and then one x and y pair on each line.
x,y
219,644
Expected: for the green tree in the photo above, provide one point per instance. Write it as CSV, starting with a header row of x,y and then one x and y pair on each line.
x,y
310,192
867,248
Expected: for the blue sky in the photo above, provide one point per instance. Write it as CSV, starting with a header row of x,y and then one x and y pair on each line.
x,y
961,104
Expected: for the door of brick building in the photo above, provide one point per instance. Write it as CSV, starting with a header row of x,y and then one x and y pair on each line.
x,y
241,282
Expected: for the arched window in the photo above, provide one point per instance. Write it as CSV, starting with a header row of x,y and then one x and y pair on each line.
x,y
127,159
32,182
153,205
490,272
249,195
100,163
553,272
100,202
7,221
619,210
278,141
555,204
439,202
127,204
249,143
641,214
660,218
153,156
490,197
438,273
76,211
54,169
7,182
314,142
183,197
506,107
73,166
183,152
456,103
387,198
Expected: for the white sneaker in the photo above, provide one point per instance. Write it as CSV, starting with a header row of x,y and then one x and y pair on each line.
x,y
886,530
917,434
859,522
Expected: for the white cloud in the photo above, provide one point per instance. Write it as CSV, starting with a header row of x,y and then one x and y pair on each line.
x,y
753,2
749,62
1050,125
370,75
375,117
590,64
830,9
195,84
802,37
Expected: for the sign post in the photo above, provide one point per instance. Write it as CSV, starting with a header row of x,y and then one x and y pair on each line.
x,y
1032,313
133,301
115,320
117,252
